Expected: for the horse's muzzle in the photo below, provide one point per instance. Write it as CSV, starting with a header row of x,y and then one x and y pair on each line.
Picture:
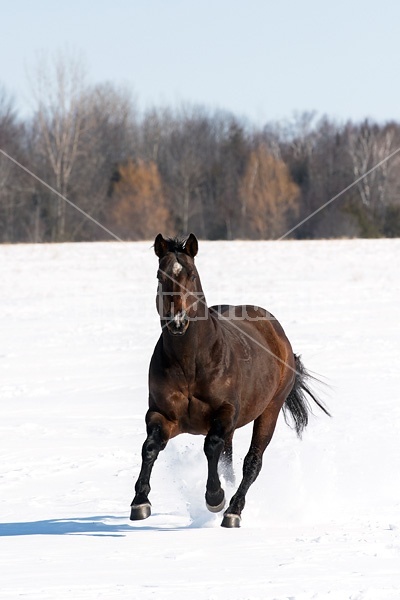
x,y
178,324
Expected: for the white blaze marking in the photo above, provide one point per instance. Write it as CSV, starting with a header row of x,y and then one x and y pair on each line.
x,y
178,318
177,268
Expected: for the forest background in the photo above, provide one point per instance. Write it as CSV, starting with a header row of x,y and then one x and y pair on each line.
x,y
185,169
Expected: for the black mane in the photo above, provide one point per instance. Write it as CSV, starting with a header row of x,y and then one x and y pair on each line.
x,y
176,244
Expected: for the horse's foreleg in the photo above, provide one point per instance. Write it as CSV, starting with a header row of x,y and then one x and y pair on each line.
x,y
220,430
263,431
156,440
225,465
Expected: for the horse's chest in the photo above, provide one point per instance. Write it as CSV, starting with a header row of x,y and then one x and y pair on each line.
x,y
196,417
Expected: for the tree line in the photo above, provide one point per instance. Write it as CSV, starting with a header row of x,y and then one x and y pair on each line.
x,y
186,169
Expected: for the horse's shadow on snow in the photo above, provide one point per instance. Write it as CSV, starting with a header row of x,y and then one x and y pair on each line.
x,y
103,526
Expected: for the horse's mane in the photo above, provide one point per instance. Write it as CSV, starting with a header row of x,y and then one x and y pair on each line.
x,y
176,244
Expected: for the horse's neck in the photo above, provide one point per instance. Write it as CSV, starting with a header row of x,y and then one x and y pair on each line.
x,y
189,349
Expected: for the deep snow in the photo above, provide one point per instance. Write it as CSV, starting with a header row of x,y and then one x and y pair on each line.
x,y
78,325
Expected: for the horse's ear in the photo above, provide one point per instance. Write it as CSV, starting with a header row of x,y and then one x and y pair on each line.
x,y
191,245
160,246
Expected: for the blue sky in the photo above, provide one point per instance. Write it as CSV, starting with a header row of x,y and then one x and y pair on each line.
x,y
259,59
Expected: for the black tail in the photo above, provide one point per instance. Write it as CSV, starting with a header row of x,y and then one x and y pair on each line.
x,y
297,403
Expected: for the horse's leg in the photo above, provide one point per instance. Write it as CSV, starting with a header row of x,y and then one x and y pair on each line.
x,y
263,430
220,430
225,461
158,435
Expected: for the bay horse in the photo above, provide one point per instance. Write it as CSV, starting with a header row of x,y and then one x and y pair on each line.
x,y
213,370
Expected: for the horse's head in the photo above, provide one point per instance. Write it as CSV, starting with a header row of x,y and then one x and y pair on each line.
x,y
179,289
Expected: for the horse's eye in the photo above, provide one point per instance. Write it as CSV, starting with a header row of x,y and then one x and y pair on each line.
x,y
193,277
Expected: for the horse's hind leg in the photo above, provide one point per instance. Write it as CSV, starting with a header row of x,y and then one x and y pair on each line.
x,y
263,430
156,440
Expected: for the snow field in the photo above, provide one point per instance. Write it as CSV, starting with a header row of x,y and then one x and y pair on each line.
x,y
78,325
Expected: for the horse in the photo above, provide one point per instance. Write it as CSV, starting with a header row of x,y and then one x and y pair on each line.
x,y
213,370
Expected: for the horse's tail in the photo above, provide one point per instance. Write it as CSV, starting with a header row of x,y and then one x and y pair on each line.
x,y
297,403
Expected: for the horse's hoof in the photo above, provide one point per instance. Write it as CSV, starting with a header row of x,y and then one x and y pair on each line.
x,y
140,511
215,509
218,507
231,520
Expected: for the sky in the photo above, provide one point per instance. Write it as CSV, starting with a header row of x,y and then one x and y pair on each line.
x,y
262,60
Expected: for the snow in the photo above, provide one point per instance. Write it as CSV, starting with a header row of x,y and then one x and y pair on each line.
x,y
78,325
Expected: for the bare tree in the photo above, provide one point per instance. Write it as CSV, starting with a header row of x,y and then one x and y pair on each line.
x,y
13,213
368,145
59,92
79,136
185,158
233,155
109,139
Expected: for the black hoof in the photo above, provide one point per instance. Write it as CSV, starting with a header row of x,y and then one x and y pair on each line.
x,y
217,507
231,520
140,511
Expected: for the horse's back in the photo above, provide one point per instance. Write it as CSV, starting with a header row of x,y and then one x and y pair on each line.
x,y
244,315
258,326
